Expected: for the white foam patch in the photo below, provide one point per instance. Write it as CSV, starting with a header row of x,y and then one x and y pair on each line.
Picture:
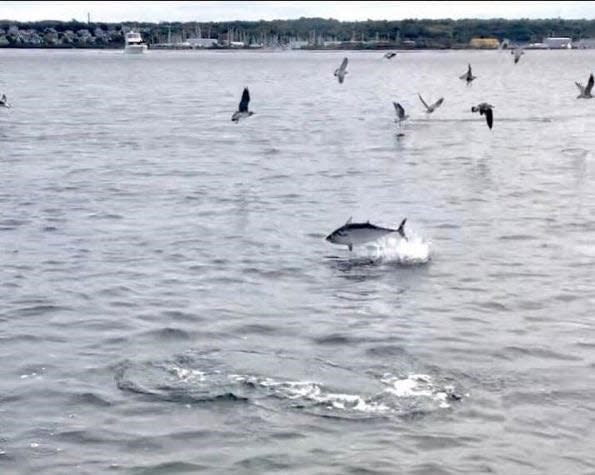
x,y
416,386
313,392
393,248
187,375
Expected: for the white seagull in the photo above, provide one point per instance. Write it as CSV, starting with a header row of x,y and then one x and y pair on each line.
x,y
433,107
585,91
468,76
242,111
341,71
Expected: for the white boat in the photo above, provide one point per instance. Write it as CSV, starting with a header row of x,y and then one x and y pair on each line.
x,y
134,43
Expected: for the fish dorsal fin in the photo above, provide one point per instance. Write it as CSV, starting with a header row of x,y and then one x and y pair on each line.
x,y
349,220
368,221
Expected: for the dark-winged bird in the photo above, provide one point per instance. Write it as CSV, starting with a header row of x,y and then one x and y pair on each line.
x,y
341,71
468,76
401,116
518,52
242,111
585,91
485,109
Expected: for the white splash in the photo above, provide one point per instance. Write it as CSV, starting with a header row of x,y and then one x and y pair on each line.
x,y
416,386
311,391
393,248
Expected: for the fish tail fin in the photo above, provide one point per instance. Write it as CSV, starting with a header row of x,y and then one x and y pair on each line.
x,y
401,229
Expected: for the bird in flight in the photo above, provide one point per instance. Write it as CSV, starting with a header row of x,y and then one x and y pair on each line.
x,y
4,101
341,71
242,111
468,76
518,52
485,109
433,107
585,92
401,116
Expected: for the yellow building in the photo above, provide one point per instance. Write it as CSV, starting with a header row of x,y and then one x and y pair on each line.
x,y
484,43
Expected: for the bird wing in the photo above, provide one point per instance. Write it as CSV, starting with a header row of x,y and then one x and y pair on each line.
x,y
399,109
343,66
580,87
245,100
438,103
423,102
489,117
589,84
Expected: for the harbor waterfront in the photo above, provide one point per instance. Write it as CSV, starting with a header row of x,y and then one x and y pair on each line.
x,y
305,33
170,304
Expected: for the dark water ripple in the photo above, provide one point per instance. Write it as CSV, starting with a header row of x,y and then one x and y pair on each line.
x,y
169,304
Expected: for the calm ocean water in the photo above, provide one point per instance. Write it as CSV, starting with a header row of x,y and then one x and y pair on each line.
x,y
170,305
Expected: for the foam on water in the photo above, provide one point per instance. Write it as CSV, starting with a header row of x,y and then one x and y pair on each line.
x,y
394,249
419,386
315,393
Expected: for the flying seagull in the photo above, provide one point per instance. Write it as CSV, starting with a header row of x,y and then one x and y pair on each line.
x,y
518,52
401,116
468,76
585,91
390,54
341,71
433,107
485,109
4,101
242,111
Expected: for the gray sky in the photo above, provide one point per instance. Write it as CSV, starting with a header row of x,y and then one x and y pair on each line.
x,y
347,11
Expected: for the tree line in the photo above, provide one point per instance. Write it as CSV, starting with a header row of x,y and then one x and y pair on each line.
x,y
444,33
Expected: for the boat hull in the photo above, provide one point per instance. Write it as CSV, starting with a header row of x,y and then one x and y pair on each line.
x,y
135,49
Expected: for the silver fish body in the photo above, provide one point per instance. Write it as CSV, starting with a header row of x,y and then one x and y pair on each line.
x,y
351,234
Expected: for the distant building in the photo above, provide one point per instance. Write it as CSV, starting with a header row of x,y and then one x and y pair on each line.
x,y
558,43
202,42
484,43
297,44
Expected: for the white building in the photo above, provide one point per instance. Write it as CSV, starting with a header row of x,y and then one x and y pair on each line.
x,y
201,42
558,43
298,44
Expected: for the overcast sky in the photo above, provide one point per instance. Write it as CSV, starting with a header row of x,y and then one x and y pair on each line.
x,y
348,11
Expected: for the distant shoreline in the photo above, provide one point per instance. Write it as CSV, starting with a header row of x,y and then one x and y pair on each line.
x,y
277,50
303,33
